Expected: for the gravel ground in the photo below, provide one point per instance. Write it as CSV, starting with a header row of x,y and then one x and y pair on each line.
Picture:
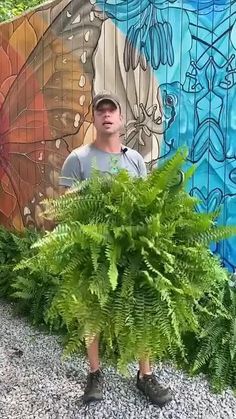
x,y
35,383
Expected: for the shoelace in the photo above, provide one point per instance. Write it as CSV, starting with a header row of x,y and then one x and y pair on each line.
x,y
95,377
152,381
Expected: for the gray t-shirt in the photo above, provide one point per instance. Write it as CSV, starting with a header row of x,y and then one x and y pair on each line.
x,y
81,161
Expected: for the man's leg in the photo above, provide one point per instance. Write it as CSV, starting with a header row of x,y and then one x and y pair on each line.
x,y
144,367
148,384
93,390
93,355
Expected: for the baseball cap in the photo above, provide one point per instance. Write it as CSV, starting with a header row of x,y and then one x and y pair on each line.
x,y
102,96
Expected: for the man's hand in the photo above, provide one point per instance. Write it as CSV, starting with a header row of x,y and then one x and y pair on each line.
x,y
63,190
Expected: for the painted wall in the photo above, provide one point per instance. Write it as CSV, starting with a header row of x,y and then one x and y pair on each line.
x,y
171,62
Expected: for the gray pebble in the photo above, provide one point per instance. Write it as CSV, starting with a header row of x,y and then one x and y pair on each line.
x,y
35,383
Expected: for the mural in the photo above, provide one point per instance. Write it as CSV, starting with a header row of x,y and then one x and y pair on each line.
x,y
172,62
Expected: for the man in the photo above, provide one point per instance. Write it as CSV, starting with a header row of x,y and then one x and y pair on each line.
x,y
109,155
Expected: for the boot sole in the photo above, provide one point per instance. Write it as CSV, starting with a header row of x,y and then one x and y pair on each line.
x,y
92,399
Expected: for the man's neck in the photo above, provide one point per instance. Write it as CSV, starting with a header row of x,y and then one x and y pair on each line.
x,y
110,144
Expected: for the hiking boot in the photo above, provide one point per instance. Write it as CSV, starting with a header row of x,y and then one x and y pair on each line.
x,y
93,389
154,391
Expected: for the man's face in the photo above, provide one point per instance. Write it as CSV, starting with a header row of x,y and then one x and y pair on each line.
x,y
107,118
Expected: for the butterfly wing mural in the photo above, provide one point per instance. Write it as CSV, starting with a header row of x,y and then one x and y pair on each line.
x,y
46,82
52,61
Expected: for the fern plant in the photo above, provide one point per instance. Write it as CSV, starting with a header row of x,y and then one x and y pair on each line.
x,y
32,290
13,246
9,256
216,350
134,259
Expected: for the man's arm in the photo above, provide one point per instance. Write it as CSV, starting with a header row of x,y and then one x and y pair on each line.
x,y
63,190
